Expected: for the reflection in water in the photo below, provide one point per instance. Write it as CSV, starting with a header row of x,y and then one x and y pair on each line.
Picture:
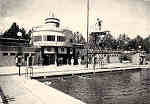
x,y
122,87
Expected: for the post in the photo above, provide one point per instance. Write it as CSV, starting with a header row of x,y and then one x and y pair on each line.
x,y
19,70
95,42
19,62
20,51
87,29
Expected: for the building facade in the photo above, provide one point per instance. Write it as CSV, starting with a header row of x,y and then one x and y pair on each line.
x,y
11,49
54,41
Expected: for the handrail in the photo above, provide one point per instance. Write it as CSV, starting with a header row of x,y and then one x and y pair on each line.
x,y
29,72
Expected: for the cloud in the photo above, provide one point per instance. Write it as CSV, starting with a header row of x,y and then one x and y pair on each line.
x,y
11,7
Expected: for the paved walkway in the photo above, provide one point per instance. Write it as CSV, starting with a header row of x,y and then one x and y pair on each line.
x,y
24,91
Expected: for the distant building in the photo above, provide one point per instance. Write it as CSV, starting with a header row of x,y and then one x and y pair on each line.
x,y
11,48
54,41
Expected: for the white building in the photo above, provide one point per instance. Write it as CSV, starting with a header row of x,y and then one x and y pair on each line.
x,y
55,42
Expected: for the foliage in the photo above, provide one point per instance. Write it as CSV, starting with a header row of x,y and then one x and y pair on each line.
x,y
12,32
78,38
108,41
123,42
147,44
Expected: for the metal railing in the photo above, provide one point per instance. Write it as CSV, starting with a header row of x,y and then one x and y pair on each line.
x,y
29,72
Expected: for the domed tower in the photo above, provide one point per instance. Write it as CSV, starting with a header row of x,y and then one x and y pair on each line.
x,y
52,21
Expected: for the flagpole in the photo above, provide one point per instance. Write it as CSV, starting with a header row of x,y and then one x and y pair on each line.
x,y
87,30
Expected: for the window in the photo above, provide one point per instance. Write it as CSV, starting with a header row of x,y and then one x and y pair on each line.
x,y
49,49
12,54
51,38
60,38
62,49
71,50
37,38
33,54
5,54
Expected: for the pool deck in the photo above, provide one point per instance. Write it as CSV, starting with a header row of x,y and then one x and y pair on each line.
x,y
22,90
52,70
79,70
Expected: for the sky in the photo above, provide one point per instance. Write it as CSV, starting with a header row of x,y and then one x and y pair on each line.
x,y
119,16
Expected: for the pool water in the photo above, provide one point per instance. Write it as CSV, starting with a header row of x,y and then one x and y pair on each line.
x,y
121,87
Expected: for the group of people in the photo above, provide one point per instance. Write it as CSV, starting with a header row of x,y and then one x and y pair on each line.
x,y
29,61
19,61
79,61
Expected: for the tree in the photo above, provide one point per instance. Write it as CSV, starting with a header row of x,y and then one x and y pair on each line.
x,y
12,31
131,44
108,41
147,44
22,30
25,35
123,42
78,38
139,42
28,36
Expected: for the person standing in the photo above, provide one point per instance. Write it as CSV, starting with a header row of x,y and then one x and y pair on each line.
x,y
72,61
79,61
99,24
29,60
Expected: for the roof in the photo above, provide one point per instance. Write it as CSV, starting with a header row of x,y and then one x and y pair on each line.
x,y
53,19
